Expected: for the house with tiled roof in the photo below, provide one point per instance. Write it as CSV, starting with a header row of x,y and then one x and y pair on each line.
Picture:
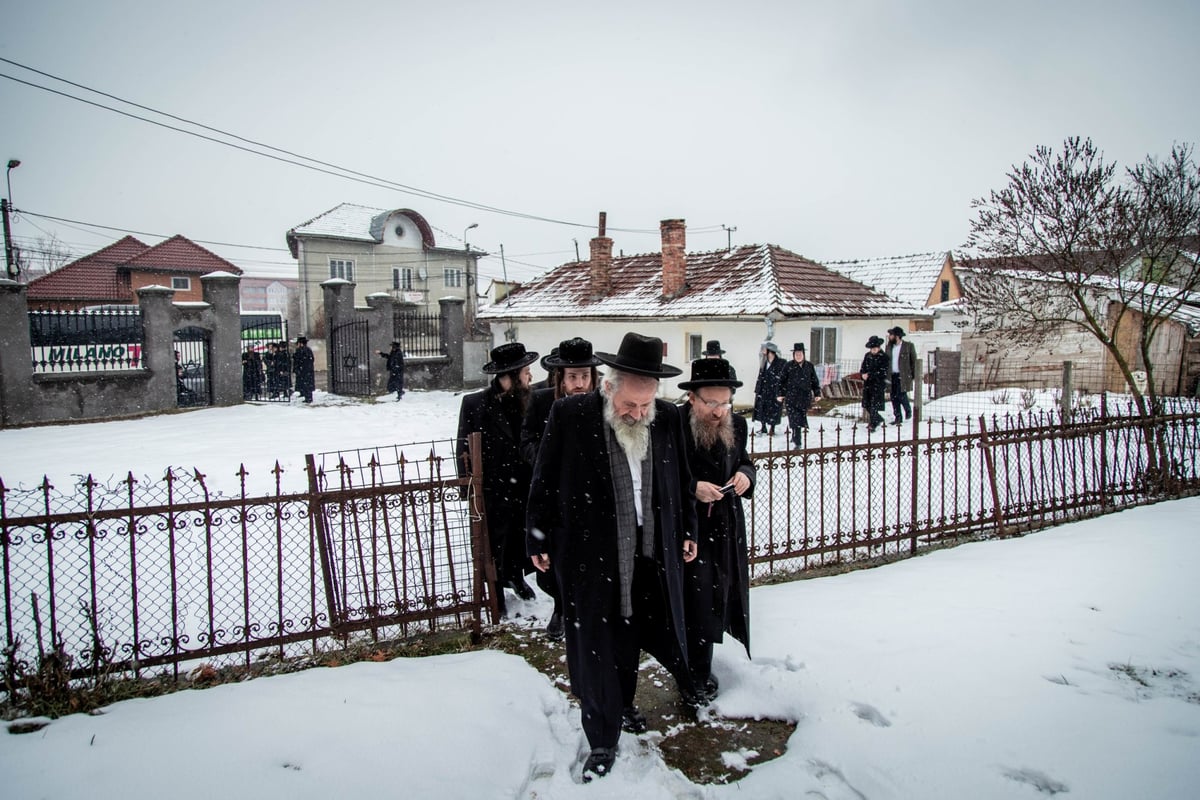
x,y
390,251
113,274
921,279
742,296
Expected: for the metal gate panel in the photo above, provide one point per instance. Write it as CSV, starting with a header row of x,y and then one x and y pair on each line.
x,y
349,359
266,360
193,370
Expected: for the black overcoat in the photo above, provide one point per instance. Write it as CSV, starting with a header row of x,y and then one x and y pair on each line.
x,y
395,368
767,410
718,581
875,367
535,423
572,517
302,365
798,386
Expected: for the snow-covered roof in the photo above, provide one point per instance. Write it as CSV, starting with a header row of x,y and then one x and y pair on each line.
x,y
910,279
751,280
355,223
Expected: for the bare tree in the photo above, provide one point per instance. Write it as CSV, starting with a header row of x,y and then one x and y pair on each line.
x,y
1070,243
47,255
1068,246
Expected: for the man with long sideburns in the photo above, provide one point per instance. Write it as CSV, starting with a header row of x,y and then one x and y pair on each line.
x,y
610,510
572,365
717,583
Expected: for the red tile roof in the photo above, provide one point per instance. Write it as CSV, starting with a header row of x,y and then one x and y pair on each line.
x,y
103,276
750,280
93,277
179,254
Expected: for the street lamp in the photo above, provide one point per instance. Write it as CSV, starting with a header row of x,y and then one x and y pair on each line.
x,y
5,206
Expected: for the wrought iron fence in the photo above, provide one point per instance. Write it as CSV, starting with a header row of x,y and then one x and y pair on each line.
x,y
419,334
144,574
98,340
846,497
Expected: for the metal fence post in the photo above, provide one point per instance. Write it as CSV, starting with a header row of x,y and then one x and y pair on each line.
x,y
316,512
1068,389
989,461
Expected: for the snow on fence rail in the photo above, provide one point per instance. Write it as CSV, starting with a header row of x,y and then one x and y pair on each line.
x,y
389,541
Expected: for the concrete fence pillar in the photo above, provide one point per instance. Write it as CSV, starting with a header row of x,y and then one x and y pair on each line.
x,y
158,355
221,291
16,361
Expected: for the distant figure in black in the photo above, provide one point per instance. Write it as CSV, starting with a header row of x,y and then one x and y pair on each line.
x,y
874,376
302,364
252,375
395,368
712,349
767,389
799,388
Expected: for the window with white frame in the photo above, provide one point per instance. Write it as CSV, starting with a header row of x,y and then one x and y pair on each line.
x,y
695,346
402,278
452,278
822,346
341,268
181,284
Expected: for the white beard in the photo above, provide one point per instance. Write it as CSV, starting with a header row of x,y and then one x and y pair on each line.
x,y
634,438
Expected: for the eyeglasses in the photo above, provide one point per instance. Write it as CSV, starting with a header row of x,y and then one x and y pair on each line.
x,y
713,405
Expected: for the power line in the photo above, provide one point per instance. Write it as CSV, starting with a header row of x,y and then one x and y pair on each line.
x,y
314,164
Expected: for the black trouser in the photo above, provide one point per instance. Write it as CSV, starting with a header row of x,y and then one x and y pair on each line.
x,y
899,398
609,656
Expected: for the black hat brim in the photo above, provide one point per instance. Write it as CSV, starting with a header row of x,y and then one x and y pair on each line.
x,y
616,362
691,386
492,368
556,362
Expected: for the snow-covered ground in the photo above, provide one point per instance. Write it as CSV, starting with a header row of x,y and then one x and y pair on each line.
x,y
1067,661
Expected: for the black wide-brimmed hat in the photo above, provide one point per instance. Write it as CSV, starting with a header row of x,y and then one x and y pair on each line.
x,y
874,341
896,331
774,348
571,353
640,355
713,348
301,340
798,347
711,372
553,352
508,357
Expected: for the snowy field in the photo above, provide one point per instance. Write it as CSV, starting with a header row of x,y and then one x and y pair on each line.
x,y
1066,662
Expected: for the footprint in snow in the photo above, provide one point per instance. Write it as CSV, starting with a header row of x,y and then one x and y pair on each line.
x,y
1038,780
871,714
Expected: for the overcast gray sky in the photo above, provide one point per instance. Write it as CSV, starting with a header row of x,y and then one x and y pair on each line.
x,y
838,130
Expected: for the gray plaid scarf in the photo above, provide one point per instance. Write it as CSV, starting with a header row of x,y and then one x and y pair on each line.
x,y
626,513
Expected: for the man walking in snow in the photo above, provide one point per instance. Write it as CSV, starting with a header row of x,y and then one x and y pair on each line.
x,y
902,356
610,509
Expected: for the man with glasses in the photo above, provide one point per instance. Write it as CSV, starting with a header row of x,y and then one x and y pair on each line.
x,y
717,582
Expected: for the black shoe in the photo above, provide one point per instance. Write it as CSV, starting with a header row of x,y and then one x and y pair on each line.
x,y
633,721
711,687
599,763
908,415
896,421
691,697
554,630
523,589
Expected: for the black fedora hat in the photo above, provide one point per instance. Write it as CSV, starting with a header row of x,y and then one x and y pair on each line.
x,y
798,347
508,357
711,372
640,355
874,341
713,348
571,353
896,331
553,352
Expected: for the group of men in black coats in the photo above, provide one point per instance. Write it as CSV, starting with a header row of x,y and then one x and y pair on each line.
x,y
631,516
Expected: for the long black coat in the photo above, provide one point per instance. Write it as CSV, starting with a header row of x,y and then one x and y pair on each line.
x,y
395,368
767,410
799,385
497,417
718,581
876,368
302,365
572,517
535,423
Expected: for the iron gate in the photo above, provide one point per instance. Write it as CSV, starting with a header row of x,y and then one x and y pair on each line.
x,y
193,371
266,360
349,359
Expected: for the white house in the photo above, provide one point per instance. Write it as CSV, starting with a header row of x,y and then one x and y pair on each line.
x,y
742,297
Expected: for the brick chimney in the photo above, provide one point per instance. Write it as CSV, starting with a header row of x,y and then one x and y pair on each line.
x,y
674,257
601,260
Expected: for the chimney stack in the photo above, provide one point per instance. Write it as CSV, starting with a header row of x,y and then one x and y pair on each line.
x,y
674,257
601,260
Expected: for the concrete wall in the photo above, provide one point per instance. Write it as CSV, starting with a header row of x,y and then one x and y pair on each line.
x,y
27,398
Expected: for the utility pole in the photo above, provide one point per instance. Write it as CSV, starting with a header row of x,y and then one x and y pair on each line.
x,y
728,236
9,260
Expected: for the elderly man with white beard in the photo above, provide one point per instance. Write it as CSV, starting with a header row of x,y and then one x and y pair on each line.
x,y
610,507
717,582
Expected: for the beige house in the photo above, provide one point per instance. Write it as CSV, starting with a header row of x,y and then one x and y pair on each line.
x,y
380,251
742,297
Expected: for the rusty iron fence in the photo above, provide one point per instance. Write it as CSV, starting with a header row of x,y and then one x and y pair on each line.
x,y
847,497
167,574
388,542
